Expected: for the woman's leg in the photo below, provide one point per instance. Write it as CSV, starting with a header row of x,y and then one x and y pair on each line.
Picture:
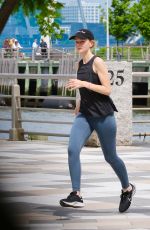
x,y
80,132
106,130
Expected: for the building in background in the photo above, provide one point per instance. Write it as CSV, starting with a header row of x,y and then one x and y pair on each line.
x,y
71,12
77,14
25,29
22,28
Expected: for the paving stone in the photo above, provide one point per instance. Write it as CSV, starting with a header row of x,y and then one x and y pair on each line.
x,y
34,176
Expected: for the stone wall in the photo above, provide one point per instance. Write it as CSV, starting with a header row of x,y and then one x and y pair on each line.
x,y
121,80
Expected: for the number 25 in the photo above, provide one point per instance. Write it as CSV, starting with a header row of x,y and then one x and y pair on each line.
x,y
119,79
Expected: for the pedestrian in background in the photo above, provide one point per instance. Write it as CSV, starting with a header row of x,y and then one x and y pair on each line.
x,y
43,46
35,46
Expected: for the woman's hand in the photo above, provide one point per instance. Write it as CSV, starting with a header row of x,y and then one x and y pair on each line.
x,y
74,84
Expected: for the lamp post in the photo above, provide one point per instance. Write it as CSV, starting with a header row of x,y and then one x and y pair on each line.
x,y
107,30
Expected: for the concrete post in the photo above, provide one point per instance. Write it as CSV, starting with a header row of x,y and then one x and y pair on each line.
x,y
121,81
17,132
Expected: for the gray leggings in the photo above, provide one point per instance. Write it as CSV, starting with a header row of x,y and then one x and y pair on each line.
x,y
106,131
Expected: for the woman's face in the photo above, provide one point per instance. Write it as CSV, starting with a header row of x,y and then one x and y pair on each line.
x,y
83,46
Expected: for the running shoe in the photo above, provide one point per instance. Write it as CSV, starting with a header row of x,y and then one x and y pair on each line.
x,y
126,198
73,200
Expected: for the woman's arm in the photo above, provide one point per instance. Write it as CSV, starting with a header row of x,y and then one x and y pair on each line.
x,y
100,68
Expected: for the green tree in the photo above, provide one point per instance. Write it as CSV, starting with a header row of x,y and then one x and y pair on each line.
x,y
121,25
46,11
140,13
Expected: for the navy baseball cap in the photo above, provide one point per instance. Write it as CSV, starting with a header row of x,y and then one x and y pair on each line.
x,y
83,34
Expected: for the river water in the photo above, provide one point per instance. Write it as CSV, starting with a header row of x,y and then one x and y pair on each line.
x,y
50,115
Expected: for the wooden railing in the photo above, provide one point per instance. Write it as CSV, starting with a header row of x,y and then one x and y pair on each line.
x,y
16,132
128,53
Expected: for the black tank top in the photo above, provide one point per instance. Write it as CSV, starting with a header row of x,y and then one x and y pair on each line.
x,y
92,103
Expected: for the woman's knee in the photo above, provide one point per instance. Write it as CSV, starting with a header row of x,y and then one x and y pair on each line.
x,y
110,160
73,152
70,151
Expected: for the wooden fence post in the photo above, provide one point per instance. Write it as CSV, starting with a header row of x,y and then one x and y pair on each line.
x,y
17,132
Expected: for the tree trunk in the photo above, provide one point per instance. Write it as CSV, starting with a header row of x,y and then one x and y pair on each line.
x,y
5,11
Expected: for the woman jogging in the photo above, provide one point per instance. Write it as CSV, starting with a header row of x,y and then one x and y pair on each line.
x,y
94,111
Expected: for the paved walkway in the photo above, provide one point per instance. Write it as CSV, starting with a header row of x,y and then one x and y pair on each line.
x,y
34,176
